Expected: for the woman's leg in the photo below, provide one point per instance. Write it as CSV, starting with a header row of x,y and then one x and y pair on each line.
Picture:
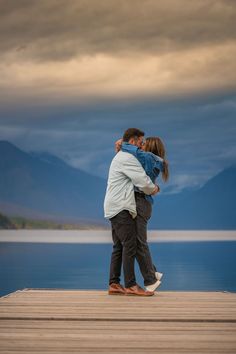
x,y
143,255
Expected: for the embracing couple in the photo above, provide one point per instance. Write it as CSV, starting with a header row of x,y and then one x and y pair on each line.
x,y
128,205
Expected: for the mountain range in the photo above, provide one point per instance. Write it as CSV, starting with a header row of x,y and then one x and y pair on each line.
x,y
209,207
41,185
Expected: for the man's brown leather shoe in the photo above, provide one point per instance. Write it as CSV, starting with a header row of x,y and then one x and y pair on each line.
x,y
138,291
116,289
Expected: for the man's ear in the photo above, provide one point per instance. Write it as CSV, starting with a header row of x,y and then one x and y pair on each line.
x,y
132,141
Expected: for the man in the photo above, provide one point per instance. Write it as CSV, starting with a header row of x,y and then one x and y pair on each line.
x,y
120,208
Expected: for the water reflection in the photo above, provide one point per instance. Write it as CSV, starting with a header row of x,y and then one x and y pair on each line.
x,y
186,265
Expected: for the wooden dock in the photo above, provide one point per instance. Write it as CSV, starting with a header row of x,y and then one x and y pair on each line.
x,y
79,321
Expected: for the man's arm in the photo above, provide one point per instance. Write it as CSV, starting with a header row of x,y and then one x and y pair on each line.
x,y
133,169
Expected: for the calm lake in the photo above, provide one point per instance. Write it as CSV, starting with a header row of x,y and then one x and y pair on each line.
x,y
80,260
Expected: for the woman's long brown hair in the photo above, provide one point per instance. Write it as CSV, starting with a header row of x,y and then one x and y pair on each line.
x,y
157,147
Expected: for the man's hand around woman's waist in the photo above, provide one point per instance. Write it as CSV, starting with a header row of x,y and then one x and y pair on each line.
x,y
156,190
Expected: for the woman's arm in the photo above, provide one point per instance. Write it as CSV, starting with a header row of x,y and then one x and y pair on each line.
x,y
135,151
148,160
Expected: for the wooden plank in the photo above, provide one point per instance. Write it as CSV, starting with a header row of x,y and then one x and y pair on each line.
x,y
74,321
112,343
8,326
89,305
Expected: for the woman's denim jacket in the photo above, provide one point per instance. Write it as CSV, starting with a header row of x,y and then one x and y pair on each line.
x,y
151,163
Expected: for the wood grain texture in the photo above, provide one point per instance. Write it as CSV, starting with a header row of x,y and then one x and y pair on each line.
x,y
89,321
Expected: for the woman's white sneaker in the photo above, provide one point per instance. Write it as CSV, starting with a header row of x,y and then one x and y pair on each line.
x,y
154,286
158,275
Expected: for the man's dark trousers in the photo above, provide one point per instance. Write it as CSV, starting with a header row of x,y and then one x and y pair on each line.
x,y
124,248
143,256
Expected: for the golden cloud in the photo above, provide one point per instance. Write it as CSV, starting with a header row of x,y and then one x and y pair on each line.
x,y
81,50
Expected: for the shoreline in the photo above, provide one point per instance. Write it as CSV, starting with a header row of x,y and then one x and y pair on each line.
x,y
104,236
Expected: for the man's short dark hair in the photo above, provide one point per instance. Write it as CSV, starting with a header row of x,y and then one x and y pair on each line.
x,y
132,133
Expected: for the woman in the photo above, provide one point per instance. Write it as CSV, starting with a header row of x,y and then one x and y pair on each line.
x,y
152,158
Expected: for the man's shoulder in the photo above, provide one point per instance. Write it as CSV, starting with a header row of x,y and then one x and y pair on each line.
x,y
123,157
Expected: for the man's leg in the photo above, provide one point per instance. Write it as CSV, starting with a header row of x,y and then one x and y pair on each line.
x,y
116,258
124,229
143,255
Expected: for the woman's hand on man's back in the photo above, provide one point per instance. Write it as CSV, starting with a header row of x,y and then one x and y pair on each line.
x,y
118,144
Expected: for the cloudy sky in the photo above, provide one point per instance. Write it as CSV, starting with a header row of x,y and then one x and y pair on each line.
x,y
74,74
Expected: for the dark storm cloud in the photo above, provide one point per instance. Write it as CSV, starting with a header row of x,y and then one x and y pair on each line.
x,y
77,51
75,74
59,30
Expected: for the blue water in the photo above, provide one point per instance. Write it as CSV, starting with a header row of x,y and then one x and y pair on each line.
x,y
187,266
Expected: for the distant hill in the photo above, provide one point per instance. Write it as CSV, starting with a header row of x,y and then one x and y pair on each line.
x,y
210,207
17,222
6,223
42,186
48,186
